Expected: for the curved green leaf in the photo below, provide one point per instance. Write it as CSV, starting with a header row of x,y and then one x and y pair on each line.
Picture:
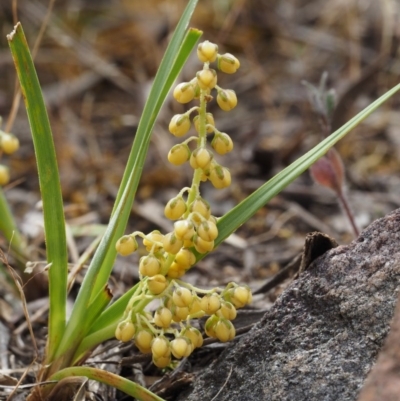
x,y
54,224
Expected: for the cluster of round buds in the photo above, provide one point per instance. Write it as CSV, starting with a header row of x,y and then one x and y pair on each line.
x,y
159,334
8,144
200,88
167,332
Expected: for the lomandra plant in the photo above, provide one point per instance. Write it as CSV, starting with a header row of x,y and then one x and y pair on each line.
x,y
168,332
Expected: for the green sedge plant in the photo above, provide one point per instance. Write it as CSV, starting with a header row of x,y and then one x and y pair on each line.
x,y
167,332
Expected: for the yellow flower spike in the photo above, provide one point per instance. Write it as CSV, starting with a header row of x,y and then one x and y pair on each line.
x,y
175,208
228,311
157,284
209,122
124,246
207,52
160,347
224,330
222,143
207,230
180,124
210,303
181,347
184,92
184,229
185,258
179,154
9,143
163,317
226,99
228,63
241,296
172,244
182,297
202,246
143,339
220,177
200,158
125,331
206,79
149,265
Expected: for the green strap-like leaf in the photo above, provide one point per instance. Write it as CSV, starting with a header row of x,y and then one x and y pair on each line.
x,y
231,221
54,224
128,387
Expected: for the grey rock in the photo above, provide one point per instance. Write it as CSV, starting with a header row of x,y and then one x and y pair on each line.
x,y
322,336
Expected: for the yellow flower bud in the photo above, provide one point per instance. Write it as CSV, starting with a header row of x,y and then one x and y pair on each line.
x,y
220,177
227,310
226,99
202,207
157,284
181,347
182,297
207,51
175,208
210,303
184,92
153,239
194,335
160,347
200,158
163,317
143,340
222,143
175,270
179,125
188,243
224,330
202,246
184,229
149,265
9,143
126,245
207,230
195,307
125,331
228,63
209,327
206,79
209,121
185,258
179,154
172,244
180,313
162,362
241,296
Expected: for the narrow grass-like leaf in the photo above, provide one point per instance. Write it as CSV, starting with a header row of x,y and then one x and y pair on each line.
x,y
103,260
54,224
128,387
242,212
232,220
